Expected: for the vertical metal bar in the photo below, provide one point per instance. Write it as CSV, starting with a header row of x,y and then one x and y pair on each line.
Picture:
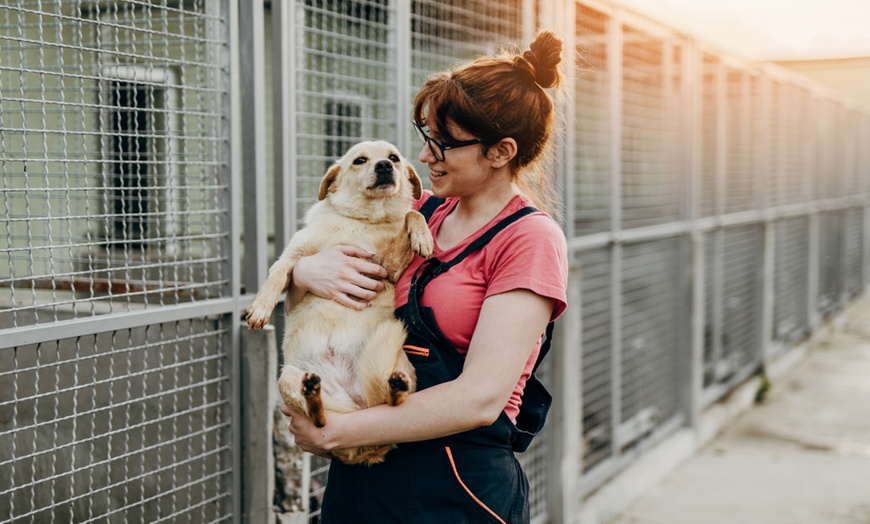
x,y
232,178
614,66
565,108
813,317
693,81
567,421
558,17
284,122
528,21
768,269
402,49
864,188
718,234
253,118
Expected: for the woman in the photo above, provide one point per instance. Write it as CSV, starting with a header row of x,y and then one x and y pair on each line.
x,y
475,328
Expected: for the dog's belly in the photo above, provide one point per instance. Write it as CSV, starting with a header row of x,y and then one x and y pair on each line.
x,y
326,338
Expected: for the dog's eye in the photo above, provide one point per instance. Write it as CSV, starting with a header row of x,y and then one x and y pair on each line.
x,y
360,160
394,158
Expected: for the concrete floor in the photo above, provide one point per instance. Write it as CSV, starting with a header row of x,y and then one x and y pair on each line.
x,y
801,457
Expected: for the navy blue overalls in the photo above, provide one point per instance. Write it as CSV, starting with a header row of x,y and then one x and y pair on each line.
x,y
470,477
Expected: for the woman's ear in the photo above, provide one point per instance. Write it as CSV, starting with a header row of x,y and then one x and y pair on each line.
x,y
502,152
327,181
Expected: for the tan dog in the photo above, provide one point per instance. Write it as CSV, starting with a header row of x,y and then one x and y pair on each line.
x,y
337,359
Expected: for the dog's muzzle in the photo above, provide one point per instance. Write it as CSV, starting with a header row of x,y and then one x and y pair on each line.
x,y
384,173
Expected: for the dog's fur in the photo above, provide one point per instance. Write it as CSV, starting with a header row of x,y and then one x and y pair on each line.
x,y
338,359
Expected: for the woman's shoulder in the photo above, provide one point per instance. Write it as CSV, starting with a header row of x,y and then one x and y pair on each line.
x,y
538,223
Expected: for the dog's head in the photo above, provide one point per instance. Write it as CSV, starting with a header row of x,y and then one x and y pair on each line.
x,y
370,171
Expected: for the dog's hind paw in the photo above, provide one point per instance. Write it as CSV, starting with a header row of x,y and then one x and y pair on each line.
x,y
400,384
311,392
310,385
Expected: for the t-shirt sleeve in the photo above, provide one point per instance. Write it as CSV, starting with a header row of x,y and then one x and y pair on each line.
x,y
533,256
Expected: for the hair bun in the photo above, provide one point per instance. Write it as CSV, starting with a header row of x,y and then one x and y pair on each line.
x,y
543,59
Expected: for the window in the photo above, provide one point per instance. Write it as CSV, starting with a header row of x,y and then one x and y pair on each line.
x,y
138,171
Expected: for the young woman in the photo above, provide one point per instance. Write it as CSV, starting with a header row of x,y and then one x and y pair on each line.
x,y
475,317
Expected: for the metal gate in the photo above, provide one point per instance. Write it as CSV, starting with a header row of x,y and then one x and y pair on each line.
x,y
118,374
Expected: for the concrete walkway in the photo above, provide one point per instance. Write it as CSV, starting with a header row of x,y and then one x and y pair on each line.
x,y
801,457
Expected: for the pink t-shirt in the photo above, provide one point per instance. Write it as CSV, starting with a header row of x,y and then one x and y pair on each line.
x,y
529,254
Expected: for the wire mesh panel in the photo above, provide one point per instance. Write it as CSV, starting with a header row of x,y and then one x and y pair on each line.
x,y
596,294
853,222
118,426
114,200
653,337
447,32
740,141
592,124
796,127
791,274
831,263
732,332
109,116
346,78
826,179
651,189
711,92
741,294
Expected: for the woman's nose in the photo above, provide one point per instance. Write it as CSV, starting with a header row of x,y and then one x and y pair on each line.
x,y
426,156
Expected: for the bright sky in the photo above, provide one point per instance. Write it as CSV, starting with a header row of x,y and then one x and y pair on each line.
x,y
769,29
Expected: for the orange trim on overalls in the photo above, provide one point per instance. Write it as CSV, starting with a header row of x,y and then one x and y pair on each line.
x,y
416,350
456,473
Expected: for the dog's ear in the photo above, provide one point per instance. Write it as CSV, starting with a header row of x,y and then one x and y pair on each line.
x,y
416,184
327,181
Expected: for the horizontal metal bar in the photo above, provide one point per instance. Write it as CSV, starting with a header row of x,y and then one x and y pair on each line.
x,y
79,327
706,224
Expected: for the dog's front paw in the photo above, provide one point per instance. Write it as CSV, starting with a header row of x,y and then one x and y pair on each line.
x,y
422,242
257,315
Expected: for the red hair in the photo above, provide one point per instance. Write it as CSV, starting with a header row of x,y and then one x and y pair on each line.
x,y
496,97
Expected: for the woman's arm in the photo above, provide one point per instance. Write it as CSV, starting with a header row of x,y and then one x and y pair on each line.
x,y
509,326
338,273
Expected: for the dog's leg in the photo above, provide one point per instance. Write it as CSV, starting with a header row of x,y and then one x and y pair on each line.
x,y
415,237
260,311
290,388
418,232
311,392
386,375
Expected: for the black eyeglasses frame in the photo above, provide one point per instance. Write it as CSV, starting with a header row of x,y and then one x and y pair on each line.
x,y
439,147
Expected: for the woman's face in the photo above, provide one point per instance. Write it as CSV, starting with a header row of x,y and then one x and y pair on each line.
x,y
464,170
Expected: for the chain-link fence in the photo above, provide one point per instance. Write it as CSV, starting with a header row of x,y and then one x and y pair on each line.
x,y
718,211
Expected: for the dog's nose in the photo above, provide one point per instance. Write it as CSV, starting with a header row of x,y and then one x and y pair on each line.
x,y
383,166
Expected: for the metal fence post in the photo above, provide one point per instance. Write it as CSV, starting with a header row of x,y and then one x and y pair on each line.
x,y
253,123
693,79
566,426
284,124
259,398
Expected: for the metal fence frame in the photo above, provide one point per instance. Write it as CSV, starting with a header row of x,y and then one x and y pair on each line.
x,y
94,310
741,187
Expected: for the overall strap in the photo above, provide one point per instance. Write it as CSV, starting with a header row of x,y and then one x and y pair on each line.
x,y
434,267
430,206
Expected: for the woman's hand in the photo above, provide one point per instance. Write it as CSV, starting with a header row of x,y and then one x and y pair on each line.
x,y
308,437
344,274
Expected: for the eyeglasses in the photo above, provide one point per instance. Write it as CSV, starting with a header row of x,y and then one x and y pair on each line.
x,y
438,148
